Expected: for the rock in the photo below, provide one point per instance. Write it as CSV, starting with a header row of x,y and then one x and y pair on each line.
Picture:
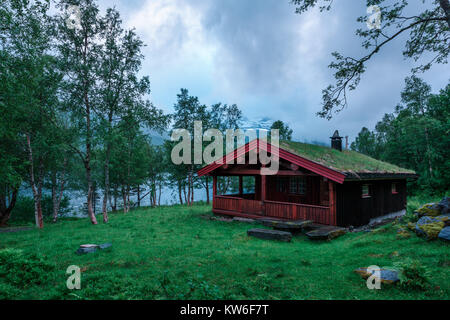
x,y
313,226
285,225
88,245
411,226
387,276
246,220
430,227
105,246
429,210
89,248
221,218
83,250
326,233
270,234
444,234
444,206
403,233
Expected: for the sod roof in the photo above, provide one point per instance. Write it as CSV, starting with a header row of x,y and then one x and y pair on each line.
x,y
348,162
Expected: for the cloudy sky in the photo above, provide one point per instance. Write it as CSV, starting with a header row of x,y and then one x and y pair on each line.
x,y
265,58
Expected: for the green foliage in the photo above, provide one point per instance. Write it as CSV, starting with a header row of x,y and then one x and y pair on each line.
x,y
428,28
20,270
285,133
415,136
23,212
413,275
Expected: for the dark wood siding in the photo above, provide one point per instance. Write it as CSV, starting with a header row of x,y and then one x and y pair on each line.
x,y
353,209
312,195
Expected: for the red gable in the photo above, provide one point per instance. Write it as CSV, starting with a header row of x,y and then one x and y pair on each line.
x,y
283,154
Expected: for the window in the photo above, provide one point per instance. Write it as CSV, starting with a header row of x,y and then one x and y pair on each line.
x,y
297,185
366,191
301,186
394,188
281,184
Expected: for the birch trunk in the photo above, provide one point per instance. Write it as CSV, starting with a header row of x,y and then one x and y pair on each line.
x,y
36,194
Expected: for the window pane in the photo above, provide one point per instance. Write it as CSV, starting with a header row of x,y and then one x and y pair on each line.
x,y
301,186
394,188
365,190
292,185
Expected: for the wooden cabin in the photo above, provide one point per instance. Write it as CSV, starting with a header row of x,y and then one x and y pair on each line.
x,y
327,185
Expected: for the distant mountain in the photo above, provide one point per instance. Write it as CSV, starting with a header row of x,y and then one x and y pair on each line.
x,y
262,123
258,124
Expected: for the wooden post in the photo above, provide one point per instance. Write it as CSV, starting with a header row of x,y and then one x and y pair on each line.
x,y
263,188
263,194
240,187
332,202
214,190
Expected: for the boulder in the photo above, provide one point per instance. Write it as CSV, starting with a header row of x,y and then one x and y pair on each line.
x,y
86,249
326,233
285,225
403,233
270,234
411,226
313,226
429,210
246,220
430,227
387,276
444,206
105,246
444,234
89,248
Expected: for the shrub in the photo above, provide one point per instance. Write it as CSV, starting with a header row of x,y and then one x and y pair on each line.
x,y
413,275
23,211
19,270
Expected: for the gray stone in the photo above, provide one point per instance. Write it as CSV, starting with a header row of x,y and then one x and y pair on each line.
x,y
89,248
386,276
105,246
326,233
246,220
270,234
285,225
444,234
444,206
86,250
430,227
313,226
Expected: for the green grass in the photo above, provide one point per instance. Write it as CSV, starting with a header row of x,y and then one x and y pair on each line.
x,y
345,161
175,253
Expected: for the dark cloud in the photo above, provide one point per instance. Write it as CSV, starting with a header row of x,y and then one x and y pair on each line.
x,y
269,60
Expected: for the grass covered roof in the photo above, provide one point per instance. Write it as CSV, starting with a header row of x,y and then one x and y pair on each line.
x,y
346,161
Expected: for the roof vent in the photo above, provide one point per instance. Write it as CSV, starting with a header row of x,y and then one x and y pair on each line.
x,y
336,141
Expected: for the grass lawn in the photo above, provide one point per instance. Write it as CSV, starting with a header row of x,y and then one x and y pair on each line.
x,y
175,253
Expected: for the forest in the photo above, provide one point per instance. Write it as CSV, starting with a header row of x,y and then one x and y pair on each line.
x,y
77,116
415,136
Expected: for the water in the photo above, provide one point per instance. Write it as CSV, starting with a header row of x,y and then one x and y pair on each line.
x,y
77,199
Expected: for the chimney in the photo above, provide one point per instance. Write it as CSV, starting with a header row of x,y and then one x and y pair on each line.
x,y
336,141
346,142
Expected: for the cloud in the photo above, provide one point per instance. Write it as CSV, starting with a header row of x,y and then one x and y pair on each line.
x,y
267,59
